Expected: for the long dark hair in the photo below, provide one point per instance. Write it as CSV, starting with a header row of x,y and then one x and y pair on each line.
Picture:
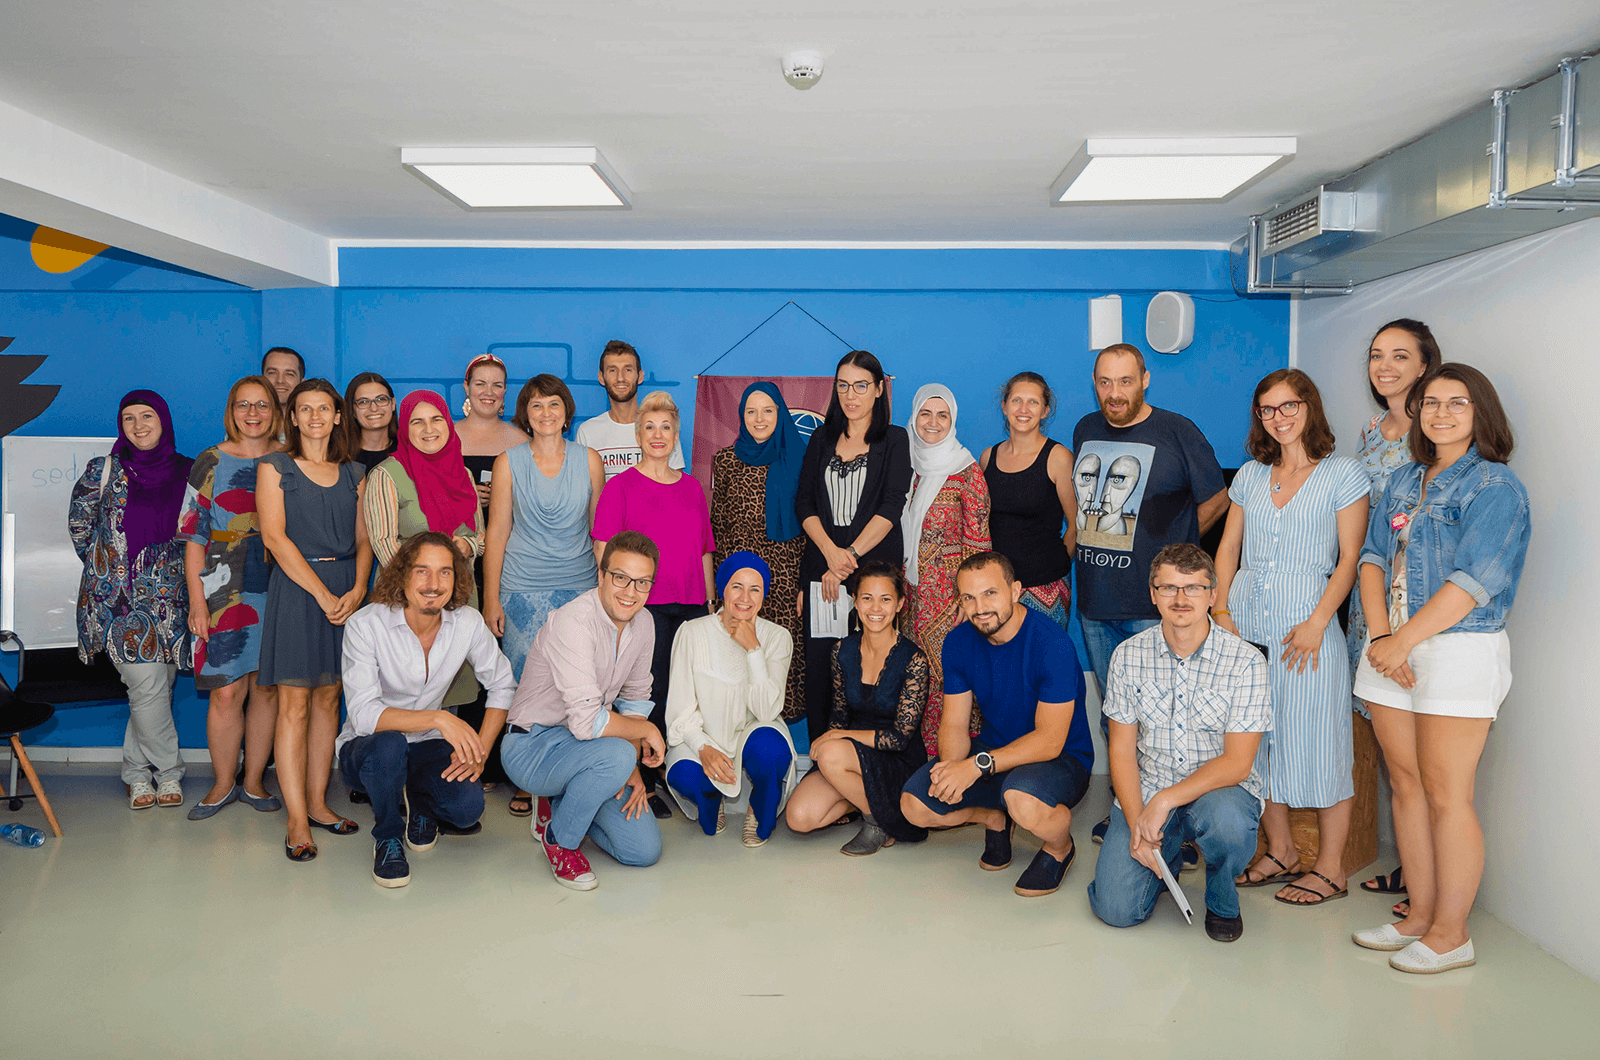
x,y
1491,431
1317,436
352,428
836,423
338,450
1427,345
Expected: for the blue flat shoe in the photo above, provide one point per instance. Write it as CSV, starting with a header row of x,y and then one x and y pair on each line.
x,y
202,810
266,804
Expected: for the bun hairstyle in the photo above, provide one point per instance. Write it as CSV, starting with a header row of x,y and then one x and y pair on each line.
x,y
655,401
1037,380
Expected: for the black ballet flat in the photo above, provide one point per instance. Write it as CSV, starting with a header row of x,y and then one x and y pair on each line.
x,y
303,852
343,826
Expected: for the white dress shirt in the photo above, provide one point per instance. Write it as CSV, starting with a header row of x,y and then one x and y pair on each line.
x,y
384,667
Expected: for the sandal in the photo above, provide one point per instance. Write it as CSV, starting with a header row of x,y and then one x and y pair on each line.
x,y
303,852
1338,892
141,795
169,794
1402,909
343,826
1390,884
1288,875
521,806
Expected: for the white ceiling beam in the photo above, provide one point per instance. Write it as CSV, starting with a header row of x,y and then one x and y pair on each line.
x,y
55,177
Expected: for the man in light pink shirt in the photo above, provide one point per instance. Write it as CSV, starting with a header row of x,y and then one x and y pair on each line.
x,y
580,720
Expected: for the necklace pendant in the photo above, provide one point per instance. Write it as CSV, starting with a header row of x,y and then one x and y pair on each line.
x,y
1277,487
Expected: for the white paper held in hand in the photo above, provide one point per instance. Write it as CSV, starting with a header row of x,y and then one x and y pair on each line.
x,y
829,619
1177,892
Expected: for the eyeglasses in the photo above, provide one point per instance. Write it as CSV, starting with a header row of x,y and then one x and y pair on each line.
x,y
244,408
1288,409
382,401
1191,591
860,387
1457,405
622,581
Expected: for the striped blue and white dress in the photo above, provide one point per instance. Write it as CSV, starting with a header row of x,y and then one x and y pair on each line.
x,y
1288,555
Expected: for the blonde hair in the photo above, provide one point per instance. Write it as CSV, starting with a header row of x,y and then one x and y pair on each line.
x,y
655,401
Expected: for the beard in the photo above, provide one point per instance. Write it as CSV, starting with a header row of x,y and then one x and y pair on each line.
x,y
987,623
622,393
1127,415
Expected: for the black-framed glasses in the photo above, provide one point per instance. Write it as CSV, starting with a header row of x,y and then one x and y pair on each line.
x,y
382,401
1456,406
1191,591
1288,409
622,581
244,408
844,386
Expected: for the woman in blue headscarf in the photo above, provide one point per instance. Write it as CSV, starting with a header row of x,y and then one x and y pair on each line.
x,y
133,602
753,487
723,706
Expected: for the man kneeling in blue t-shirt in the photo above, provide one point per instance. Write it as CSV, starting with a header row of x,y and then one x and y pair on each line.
x,y
1030,763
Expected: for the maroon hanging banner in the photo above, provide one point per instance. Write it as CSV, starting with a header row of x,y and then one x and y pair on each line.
x,y
717,415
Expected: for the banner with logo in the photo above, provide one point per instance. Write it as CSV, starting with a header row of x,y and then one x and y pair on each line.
x,y
717,414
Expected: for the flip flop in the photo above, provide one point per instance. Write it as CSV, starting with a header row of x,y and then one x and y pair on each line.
x,y
1338,892
1286,876
1390,884
520,806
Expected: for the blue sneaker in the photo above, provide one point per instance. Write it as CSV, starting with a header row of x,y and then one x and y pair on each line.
x,y
1097,834
422,831
389,866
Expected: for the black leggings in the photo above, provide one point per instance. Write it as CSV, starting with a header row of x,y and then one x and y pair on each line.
x,y
668,617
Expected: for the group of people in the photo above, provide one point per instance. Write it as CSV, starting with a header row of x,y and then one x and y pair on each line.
x,y
570,613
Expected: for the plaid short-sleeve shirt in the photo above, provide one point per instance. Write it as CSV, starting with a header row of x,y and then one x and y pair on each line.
x,y
1183,707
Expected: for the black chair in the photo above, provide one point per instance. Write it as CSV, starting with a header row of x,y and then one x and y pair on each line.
x,y
18,715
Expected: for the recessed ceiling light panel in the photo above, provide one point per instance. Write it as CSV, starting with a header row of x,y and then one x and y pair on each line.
x,y
1168,171
519,178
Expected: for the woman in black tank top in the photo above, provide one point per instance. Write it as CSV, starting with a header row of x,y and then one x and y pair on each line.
x,y
1028,503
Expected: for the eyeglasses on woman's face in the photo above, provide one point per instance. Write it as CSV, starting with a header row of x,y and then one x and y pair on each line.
x,y
1191,591
1456,406
860,386
244,408
1288,409
382,401
622,581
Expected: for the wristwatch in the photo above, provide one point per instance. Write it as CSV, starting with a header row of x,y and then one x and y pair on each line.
x,y
852,550
985,763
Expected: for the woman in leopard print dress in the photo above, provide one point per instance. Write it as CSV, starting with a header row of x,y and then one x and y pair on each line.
x,y
753,484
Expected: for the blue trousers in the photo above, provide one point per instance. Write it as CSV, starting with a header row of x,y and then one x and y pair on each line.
x,y
581,779
1222,823
386,767
766,762
1100,640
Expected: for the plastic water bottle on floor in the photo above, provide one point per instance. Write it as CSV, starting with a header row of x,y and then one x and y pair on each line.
x,y
22,835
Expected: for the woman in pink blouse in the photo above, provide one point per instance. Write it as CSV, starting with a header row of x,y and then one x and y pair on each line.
x,y
669,507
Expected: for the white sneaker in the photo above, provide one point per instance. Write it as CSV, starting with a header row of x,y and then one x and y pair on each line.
x,y
1423,961
1383,938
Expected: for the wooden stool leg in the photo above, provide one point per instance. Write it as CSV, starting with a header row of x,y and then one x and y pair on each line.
x,y
38,789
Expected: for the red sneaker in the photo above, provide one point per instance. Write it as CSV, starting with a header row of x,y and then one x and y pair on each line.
x,y
570,868
541,818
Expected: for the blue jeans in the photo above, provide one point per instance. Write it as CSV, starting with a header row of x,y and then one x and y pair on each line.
x,y
1222,823
1100,639
581,779
387,767
765,759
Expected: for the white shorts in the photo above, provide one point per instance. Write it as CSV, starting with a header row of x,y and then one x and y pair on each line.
x,y
1460,675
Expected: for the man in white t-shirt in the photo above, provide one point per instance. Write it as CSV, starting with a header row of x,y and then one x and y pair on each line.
x,y
611,435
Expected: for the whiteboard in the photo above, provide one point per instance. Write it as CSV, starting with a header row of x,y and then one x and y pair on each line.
x,y
39,571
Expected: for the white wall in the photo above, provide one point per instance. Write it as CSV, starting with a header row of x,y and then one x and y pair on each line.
x,y
1528,315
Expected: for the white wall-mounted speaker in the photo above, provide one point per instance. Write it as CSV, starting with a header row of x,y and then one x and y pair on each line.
x,y
1105,322
1169,323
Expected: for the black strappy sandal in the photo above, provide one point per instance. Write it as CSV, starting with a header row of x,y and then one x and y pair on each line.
x,y
1390,884
1338,892
1288,875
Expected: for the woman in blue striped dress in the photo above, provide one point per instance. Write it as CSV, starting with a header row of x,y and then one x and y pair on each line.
x,y
1288,557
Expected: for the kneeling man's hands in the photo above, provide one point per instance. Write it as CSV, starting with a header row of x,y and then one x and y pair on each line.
x,y
652,749
1149,828
637,797
467,757
948,781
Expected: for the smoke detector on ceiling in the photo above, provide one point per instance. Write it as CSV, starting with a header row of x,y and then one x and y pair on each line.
x,y
802,69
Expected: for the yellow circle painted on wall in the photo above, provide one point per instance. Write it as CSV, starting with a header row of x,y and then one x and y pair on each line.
x,y
56,251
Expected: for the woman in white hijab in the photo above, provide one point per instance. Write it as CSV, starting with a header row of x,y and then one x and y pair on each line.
x,y
946,520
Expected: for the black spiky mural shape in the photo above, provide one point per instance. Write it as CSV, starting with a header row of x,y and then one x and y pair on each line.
x,y
21,402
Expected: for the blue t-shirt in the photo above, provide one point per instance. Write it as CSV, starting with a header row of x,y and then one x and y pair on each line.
x,y
1008,681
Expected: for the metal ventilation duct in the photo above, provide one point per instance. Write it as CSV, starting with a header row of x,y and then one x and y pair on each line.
x,y
1521,163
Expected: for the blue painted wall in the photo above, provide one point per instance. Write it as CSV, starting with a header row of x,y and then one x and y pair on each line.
x,y
966,318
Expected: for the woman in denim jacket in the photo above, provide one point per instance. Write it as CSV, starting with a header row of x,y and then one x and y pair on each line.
x,y
1439,571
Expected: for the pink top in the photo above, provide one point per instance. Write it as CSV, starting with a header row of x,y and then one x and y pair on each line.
x,y
581,667
675,517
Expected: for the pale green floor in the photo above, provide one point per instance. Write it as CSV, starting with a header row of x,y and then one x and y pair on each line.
x,y
145,935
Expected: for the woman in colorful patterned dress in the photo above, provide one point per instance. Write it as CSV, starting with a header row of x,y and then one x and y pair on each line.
x,y
946,520
225,566
753,486
131,601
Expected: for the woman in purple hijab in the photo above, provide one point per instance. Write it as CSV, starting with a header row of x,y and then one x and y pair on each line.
x,y
132,601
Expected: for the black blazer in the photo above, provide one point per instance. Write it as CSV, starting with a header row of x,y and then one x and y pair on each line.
x,y
884,493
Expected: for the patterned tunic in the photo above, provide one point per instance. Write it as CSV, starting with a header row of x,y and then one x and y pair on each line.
x,y
739,521
150,621
956,527
219,514
1381,458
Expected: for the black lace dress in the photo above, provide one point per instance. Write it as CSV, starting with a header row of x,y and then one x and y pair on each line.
x,y
892,710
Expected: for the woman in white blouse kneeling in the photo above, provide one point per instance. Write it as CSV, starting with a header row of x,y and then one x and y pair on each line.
x,y
724,704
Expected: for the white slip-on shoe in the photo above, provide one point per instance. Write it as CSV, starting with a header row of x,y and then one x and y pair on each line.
x,y
1423,961
1383,938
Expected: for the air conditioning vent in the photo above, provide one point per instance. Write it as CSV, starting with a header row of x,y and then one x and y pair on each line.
x,y
1285,228
1318,213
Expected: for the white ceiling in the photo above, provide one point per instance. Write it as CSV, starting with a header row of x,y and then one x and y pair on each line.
x,y
932,122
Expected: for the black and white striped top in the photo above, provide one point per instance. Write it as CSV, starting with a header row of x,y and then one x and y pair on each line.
x,y
844,483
